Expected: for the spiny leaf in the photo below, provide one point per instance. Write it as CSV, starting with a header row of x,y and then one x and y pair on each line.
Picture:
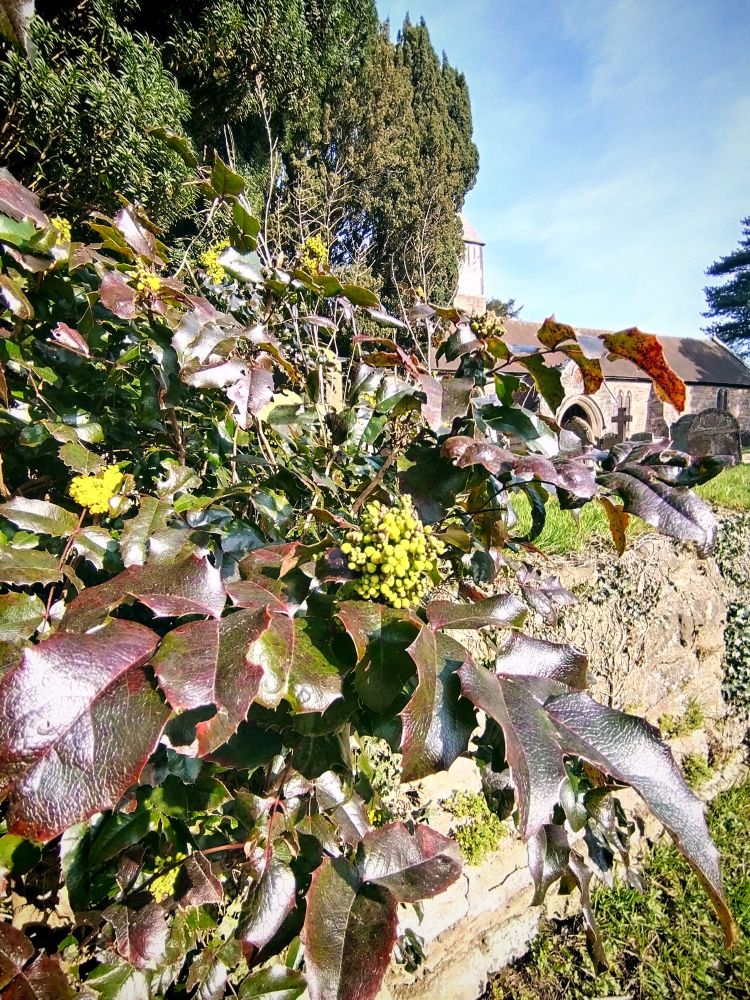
x,y
269,903
532,749
15,952
437,722
118,296
349,934
411,866
140,935
196,883
552,334
208,663
547,380
274,983
547,667
191,586
674,510
66,697
44,979
631,751
500,611
447,399
137,540
39,516
20,615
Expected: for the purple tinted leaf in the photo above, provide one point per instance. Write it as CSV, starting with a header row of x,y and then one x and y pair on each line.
x,y
630,750
250,393
547,667
65,336
544,593
190,587
15,952
532,750
254,595
269,903
349,934
44,979
447,399
675,511
465,451
346,808
411,866
437,722
68,696
196,883
207,663
500,611
136,235
18,202
216,375
551,859
117,296
140,935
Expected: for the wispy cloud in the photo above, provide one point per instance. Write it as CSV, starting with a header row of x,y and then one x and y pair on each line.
x,y
615,149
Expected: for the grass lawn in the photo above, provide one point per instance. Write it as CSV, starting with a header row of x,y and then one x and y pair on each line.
x,y
664,943
561,534
730,489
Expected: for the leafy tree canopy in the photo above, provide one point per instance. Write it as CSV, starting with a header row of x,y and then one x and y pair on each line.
x,y
339,130
729,302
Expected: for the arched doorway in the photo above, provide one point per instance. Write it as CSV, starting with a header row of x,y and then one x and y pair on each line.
x,y
582,416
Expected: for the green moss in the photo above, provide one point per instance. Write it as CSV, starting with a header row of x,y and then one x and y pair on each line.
x,y
662,943
479,831
692,719
696,769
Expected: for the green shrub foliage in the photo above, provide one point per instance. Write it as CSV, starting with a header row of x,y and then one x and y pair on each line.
x,y
188,660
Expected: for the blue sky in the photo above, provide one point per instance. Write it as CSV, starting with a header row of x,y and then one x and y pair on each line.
x,y
614,142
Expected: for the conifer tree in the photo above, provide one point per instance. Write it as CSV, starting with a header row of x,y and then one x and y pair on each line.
x,y
729,302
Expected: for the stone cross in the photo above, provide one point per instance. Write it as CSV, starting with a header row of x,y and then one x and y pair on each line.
x,y
622,419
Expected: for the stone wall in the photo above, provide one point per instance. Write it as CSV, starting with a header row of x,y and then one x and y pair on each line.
x,y
652,625
701,397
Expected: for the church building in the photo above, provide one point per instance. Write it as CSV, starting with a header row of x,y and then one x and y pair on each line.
x,y
626,404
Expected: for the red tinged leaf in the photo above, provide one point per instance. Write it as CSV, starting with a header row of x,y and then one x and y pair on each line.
x,y
196,883
207,663
532,749
446,399
437,722
552,334
68,697
547,667
44,979
411,866
500,611
65,336
630,750
269,903
250,393
140,935
117,296
20,203
646,353
675,511
465,451
15,952
349,934
190,587
294,666
136,235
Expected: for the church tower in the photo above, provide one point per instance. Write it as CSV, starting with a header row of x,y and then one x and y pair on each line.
x,y
470,296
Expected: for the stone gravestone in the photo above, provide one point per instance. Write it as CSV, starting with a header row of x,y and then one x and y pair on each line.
x,y
714,432
680,430
642,436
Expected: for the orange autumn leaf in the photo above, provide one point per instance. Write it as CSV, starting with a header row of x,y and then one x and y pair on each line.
x,y
645,351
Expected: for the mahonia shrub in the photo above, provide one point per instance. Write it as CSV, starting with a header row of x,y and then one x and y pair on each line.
x,y
231,513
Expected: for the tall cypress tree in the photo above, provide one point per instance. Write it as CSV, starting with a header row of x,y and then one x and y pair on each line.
x,y
729,302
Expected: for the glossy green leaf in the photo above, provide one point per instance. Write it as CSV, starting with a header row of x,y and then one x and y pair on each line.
x,y
23,567
20,615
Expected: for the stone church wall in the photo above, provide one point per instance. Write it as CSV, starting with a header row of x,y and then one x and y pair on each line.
x,y
701,397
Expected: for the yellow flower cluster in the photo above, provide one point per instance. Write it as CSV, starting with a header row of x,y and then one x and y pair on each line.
x,y
488,325
95,492
394,552
313,255
146,282
62,228
210,261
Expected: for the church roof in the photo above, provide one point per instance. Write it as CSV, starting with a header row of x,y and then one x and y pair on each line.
x,y
470,233
696,360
